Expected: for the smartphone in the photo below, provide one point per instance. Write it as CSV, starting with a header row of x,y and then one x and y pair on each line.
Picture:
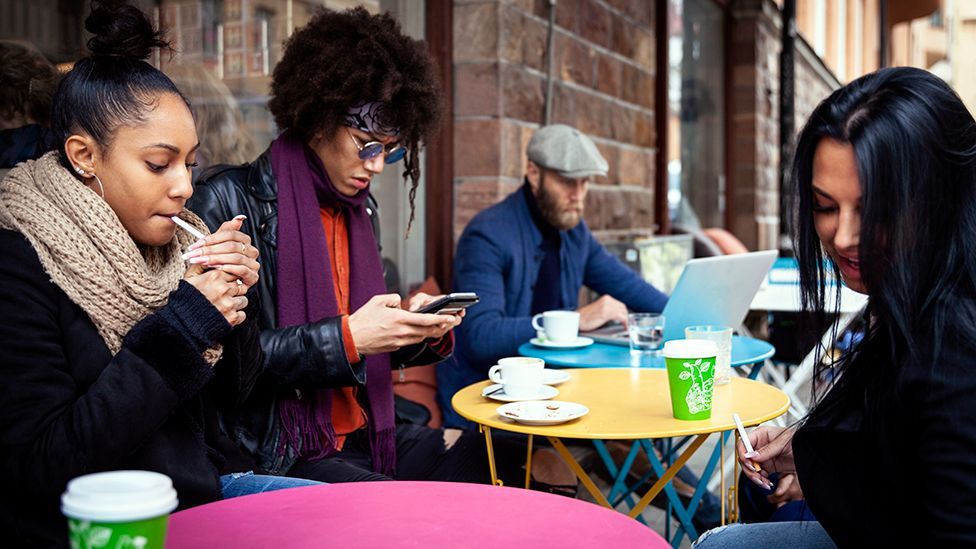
x,y
450,304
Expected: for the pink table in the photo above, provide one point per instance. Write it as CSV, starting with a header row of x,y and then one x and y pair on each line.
x,y
406,514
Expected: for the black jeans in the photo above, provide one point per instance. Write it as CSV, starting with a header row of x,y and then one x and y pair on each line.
x,y
421,455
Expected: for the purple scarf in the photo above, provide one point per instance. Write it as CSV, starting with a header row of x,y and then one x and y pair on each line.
x,y
305,294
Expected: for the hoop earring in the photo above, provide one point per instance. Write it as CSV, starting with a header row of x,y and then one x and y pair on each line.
x,y
101,189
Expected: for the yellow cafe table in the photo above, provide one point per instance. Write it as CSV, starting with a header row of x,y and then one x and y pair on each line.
x,y
632,404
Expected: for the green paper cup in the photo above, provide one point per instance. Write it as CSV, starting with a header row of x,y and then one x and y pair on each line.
x,y
691,372
119,510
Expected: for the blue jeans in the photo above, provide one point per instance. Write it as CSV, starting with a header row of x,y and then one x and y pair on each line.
x,y
245,484
754,507
795,535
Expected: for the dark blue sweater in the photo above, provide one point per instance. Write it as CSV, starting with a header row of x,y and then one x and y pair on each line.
x,y
498,256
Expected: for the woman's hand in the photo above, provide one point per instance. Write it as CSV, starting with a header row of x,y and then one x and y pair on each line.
x,y
381,326
228,250
222,290
773,454
421,299
787,490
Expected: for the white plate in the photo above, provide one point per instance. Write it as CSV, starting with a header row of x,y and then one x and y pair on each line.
x,y
544,412
545,393
579,342
554,377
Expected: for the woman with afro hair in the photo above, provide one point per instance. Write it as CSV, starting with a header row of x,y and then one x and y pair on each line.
x,y
350,95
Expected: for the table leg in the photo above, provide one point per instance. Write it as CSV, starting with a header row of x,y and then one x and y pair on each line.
x,y
675,506
722,475
668,474
734,503
528,465
580,473
619,475
495,481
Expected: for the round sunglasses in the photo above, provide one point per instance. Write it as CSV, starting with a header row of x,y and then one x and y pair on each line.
x,y
394,152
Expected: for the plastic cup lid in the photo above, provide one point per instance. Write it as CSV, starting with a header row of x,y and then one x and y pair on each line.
x,y
709,328
119,496
690,348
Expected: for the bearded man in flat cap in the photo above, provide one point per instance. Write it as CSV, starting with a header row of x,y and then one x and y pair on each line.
x,y
532,252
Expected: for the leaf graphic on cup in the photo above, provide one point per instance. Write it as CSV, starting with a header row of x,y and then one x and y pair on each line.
x,y
99,536
699,397
128,542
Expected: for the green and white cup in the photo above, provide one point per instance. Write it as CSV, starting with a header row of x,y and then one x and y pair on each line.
x,y
119,510
691,377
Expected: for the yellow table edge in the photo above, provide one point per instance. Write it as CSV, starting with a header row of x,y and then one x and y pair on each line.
x,y
472,395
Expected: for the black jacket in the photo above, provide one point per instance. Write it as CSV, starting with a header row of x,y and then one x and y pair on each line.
x,y
902,471
305,357
68,407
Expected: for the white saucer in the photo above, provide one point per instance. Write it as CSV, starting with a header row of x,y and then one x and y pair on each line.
x,y
554,377
545,412
578,342
545,393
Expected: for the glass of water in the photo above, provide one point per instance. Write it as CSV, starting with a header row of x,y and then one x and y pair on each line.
x,y
722,336
646,333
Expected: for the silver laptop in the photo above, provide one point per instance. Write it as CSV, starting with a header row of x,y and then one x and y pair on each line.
x,y
711,290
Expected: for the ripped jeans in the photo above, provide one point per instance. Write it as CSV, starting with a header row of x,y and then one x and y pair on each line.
x,y
795,535
245,484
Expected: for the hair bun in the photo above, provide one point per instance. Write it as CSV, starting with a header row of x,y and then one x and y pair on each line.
x,y
121,29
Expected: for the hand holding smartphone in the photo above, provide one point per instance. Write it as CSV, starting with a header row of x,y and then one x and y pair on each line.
x,y
450,303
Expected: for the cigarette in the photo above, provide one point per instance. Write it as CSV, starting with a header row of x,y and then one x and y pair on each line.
x,y
745,438
188,228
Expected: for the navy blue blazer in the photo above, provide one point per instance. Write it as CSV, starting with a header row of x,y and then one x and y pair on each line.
x,y
498,257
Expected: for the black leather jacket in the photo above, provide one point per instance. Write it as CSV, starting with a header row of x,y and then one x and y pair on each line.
x,y
305,357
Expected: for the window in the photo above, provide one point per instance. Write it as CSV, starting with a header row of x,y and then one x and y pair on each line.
x,y
226,53
696,114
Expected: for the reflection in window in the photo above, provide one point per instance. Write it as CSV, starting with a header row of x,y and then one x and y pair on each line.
x,y
226,51
696,117
237,41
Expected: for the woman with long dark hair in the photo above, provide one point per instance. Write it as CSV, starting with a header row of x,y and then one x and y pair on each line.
x,y
885,176
115,351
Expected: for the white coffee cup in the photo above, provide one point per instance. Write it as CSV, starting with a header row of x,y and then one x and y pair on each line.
x,y
122,508
559,326
521,376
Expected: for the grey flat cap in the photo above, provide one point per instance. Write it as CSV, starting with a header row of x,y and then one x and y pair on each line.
x,y
567,151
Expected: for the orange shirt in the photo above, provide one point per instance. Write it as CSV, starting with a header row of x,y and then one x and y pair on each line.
x,y
347,414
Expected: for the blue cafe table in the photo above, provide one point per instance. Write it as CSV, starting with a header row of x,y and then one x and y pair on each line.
x,y
747,352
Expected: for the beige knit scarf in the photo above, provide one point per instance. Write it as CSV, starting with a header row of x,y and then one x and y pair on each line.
x,y
87,252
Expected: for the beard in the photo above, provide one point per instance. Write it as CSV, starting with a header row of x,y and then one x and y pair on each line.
x,y
562,219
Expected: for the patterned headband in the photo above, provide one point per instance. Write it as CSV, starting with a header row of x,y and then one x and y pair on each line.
x,y
374,118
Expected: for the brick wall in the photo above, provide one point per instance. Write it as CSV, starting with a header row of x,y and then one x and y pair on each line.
x,y
814,82
755,122
755,115
603,84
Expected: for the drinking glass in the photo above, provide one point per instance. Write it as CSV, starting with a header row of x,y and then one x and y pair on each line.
x,y
646,333
722,336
